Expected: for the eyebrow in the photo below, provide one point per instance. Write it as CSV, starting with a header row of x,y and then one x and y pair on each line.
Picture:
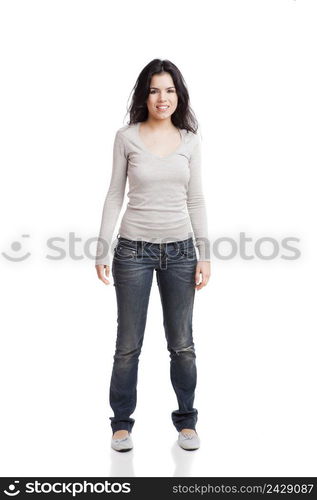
x,y
159,89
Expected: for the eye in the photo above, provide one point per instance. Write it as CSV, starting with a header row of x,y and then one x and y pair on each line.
x,y
153,91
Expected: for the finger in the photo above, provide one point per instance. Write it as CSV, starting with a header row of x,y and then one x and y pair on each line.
x,y
197,276
107,282
198,285
103,279
107,271
100,273
202,284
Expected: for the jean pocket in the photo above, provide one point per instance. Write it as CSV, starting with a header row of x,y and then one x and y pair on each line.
x,y
188,251
124,251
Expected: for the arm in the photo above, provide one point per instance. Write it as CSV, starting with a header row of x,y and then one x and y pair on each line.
x,y
113,202
196,204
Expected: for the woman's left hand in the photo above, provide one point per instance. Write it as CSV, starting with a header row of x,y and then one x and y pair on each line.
x,y
202,268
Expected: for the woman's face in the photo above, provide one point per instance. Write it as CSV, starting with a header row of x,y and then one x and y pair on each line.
x,y
162,99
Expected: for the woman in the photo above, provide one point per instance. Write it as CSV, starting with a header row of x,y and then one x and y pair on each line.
x,y
160,152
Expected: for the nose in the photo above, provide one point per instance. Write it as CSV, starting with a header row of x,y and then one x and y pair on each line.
x,y
162,99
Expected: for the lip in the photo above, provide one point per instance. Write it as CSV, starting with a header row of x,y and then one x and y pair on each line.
x,y
162,106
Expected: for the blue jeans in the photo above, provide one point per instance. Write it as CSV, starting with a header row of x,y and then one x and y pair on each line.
x,y
132,270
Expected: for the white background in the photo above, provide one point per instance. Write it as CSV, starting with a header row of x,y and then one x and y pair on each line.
x,y
68,68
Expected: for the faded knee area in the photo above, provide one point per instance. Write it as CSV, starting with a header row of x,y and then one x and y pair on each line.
x,y
182,350
127,354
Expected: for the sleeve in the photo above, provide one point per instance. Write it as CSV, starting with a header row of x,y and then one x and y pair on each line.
x,y
113,202
196,203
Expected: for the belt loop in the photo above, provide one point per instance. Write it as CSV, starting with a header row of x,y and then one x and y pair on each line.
x,y
139,245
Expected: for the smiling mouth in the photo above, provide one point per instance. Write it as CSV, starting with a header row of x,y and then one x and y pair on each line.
x,y
162,108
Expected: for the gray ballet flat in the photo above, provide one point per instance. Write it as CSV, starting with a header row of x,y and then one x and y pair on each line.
x,y
122,444
188,441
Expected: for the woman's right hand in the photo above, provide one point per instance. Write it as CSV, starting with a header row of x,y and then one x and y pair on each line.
x,y
100,272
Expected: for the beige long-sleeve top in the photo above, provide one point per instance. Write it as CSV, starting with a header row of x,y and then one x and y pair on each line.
x,y
166,200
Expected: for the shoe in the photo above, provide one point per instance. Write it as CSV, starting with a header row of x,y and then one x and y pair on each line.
x,y
122,444
188,441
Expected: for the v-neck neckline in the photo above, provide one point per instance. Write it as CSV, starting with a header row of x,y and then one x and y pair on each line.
x,y
153,154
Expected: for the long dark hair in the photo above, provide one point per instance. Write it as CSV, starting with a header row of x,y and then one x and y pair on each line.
x,y
183,117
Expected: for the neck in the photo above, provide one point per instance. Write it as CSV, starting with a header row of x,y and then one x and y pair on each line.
x,y
159,125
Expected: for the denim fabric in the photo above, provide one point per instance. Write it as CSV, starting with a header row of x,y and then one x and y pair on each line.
x,y
132,270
